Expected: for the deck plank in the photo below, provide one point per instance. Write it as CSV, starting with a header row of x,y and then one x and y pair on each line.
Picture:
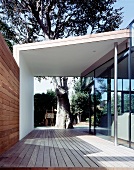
x,y
110,153
33,158
63,152
89,150
40,157
84,150
76,152
46,160
61,161
13,154
74,159
22,157
53,158
53,148
78,146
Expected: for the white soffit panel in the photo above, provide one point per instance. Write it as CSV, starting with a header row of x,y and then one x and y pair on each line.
x,y
70,56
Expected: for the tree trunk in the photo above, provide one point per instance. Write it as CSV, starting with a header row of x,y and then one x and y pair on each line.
x,y
64,118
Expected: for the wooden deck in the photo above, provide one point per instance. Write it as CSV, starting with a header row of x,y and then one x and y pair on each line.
x,y
66,148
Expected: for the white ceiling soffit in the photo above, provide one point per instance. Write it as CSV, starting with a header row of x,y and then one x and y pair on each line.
x,y
70,56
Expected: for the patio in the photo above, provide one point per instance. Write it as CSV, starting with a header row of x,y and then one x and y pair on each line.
x,y
66,148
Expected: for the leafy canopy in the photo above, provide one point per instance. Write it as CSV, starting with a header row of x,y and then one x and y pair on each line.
x,y
34,20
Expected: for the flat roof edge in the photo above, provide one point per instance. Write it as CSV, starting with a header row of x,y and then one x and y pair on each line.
x,y
75,40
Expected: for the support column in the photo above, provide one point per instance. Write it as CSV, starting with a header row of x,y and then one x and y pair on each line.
x,y
90,111
131,43
115,95
109,104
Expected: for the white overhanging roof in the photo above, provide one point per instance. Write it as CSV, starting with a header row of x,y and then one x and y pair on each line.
x,y
69,56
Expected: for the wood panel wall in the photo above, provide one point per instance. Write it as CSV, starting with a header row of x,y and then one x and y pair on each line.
x,y
9,98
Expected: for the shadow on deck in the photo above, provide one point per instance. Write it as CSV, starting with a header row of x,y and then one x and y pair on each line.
x,y
66,149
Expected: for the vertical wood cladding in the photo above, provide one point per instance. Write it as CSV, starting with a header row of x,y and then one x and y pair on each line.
x,y
9,98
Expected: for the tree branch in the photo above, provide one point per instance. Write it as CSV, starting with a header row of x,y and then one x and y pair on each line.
x,y
36,15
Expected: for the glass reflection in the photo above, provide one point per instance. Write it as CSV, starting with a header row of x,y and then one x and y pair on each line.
x,y
102,100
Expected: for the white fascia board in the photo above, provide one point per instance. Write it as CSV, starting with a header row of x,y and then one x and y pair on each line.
x,y
74,40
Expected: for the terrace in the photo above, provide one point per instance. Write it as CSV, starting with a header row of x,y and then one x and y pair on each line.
x,y
66,148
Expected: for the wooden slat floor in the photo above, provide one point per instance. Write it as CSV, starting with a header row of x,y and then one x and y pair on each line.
x,y
66,148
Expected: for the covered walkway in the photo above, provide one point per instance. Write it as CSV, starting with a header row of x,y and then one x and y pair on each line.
x,y
66,148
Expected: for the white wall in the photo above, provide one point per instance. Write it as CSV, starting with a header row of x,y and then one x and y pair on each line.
x,y
26,118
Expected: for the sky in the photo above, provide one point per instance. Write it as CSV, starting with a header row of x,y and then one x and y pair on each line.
x,y
128,13
44,85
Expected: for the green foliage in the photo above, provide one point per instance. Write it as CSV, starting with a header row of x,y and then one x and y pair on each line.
x,y
77,86
125,102
101,88
43,102
118,104
35,20
8,34
79,102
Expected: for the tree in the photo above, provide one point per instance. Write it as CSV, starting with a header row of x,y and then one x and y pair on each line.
x,y
80,101
34,20
8,34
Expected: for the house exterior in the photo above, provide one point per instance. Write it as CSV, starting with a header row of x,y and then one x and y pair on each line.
x,y
103,60
110,83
